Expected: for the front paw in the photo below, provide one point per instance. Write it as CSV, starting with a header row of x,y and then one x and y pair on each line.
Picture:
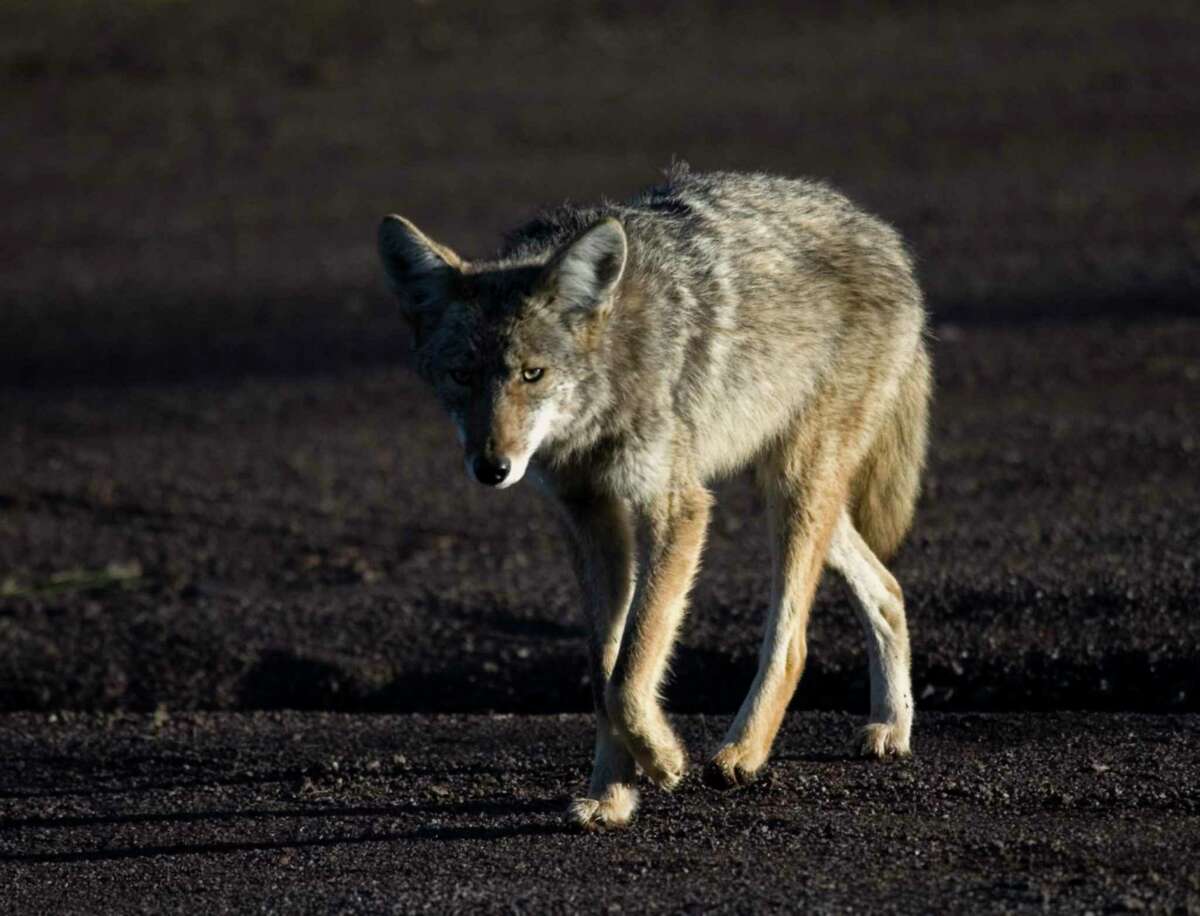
x,y
612,810
664,765
644,731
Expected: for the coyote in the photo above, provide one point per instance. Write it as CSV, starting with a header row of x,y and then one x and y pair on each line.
x,y
625,355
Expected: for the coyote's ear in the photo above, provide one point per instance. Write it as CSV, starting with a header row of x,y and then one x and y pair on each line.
x,y
420,270
585,273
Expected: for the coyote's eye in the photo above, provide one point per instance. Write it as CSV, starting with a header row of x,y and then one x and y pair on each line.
x,y
532,375
461,377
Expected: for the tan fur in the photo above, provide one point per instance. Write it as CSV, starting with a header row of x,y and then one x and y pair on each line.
x,y
677,526
885,488
603,554
509,419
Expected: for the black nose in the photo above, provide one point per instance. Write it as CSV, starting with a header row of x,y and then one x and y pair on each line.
x,y
491,472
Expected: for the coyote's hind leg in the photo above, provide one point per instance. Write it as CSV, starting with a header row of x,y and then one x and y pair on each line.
x,y
805,493
880,606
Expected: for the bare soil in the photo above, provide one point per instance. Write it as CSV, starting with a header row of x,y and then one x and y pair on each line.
x,y
294,812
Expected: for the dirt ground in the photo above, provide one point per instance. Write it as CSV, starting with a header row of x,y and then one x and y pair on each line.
x,y
264,647
292,812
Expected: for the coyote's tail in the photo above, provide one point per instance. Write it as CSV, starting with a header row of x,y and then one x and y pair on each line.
x,y
885,486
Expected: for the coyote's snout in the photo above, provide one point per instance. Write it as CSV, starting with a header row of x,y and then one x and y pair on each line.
x,y
632,353
502,425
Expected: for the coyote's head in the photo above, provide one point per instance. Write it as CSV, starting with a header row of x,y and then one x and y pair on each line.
x,y
506,346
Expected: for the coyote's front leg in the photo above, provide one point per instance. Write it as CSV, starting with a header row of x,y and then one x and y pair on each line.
x,y
603,554
676,526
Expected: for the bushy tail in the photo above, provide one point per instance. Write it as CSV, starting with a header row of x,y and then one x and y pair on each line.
x,y
885,486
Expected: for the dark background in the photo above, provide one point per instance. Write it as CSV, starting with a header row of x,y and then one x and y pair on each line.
x,y
192,188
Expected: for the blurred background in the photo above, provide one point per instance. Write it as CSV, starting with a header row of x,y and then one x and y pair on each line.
x,y
193,187
220,487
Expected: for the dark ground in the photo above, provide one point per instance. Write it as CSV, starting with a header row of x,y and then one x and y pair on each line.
x,y
291,812
228,510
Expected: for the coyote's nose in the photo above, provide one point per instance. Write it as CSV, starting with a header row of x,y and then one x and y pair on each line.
x,y
491,472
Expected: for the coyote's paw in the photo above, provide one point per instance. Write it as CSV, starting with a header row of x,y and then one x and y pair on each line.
x,y
613,810
665,766
882,739
652,743
731,767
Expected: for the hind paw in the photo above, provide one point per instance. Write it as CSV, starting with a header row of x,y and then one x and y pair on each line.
x,y
882,739
730,768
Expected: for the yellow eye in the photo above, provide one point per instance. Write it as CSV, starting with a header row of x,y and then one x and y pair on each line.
x,y
532,375
461,377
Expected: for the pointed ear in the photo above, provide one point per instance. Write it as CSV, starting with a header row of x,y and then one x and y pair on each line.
x,y
585,274
420,270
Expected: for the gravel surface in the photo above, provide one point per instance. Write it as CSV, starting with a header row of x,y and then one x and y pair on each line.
x,y
313,812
